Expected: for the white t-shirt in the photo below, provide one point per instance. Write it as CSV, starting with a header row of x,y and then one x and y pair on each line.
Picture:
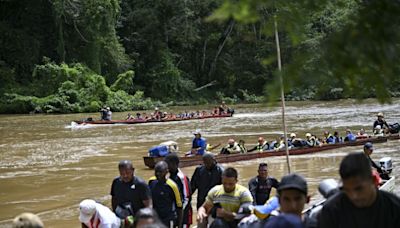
x,y
104,218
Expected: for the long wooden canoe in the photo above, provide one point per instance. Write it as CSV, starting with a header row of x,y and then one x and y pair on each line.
x,y
135,121
226,158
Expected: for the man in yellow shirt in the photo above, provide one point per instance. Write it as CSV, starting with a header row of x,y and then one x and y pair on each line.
x,y
223,201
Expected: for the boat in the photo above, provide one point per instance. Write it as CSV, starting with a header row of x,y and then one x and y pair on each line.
x,y
226,158
143,121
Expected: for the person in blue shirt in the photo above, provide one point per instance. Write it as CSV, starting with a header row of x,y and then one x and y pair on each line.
x,y
199,144
328,138
350,137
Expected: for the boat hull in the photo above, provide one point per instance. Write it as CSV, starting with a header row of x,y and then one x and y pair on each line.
x,y
108,122
226,158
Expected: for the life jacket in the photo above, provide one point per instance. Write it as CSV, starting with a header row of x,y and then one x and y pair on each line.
x,y
261,147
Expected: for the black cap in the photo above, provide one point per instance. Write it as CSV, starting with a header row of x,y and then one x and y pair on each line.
x,y
368,146
293,181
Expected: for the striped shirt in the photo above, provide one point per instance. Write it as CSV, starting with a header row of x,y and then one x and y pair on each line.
x,y
229,201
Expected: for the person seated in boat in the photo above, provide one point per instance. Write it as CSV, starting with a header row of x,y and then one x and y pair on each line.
x,y
231,148
139,116
368,149
129,117
328,138
103,113
215,111
293,141
381,122
337,138
262,145
223,108
378,131
199,144
361,134
279,144
243,148
350,137
311,140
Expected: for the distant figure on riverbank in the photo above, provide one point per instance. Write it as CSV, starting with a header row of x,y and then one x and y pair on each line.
x,y
27,220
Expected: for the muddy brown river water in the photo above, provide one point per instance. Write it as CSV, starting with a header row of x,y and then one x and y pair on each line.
x,y
47,165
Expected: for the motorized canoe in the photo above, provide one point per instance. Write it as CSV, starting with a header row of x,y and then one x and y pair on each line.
x,y
226,158
142,121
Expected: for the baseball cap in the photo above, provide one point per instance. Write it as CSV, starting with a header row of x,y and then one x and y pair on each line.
x,y
197,132
87,209
292,135
368,146
308,135
293,181
380,114
285,221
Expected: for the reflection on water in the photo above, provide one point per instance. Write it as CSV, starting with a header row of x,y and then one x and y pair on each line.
x,y
47,165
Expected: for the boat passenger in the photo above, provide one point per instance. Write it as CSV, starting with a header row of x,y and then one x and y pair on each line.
x,y
109,114
231,148
378,131
126,200
167,200
337,138
139,116
93,214
292,196
223,108
223,201
361,134
206,177
279,144
215,111
103,113
368,149
293,141
381,122
328,138
350,137
262,145
261,185
199,144
311,140
243,148
183,183
359,203
129,117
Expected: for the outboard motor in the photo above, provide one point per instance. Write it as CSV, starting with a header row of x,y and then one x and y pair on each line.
x,y
386,164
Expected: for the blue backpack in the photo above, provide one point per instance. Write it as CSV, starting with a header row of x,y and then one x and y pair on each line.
x,y
158,151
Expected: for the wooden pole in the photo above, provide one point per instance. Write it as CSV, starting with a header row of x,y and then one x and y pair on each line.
x,y
278,52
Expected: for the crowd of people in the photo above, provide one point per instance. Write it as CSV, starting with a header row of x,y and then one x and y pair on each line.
x,y
165,199
200,146
158,115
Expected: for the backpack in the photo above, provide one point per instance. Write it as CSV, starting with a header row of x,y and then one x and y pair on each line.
x,y
394,128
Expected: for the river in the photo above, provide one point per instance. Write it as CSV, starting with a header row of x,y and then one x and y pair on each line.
x,y
47,166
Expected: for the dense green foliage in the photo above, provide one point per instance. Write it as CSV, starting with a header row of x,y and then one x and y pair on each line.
x,y
76,56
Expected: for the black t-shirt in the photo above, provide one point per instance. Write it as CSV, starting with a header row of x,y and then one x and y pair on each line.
x,y
340,212
135,192
203,180
381,123
260,189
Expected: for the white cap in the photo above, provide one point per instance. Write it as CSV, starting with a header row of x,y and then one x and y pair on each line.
x,y
197,132
156,108
87,209
292,135
308,135
108,108
27,220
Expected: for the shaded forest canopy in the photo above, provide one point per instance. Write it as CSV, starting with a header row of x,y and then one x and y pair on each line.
x,y
75,56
